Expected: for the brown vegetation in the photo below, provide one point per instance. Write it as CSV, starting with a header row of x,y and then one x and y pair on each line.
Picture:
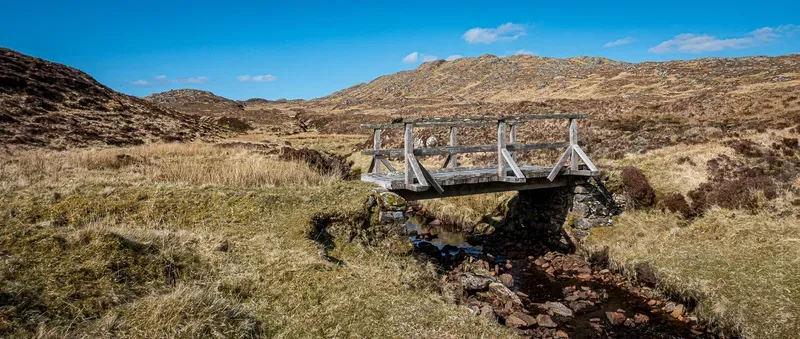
x,y
637,187
46,104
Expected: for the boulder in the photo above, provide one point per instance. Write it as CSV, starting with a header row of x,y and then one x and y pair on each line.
x,y
560,309
474,282
503,294
431,141
529,320
488,313
391,202
615,318
544,320
507,280
514,321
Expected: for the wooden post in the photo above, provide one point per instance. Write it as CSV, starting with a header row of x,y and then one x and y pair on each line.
x,y
453,156
573,141
409,152
513,139
501,145
376,144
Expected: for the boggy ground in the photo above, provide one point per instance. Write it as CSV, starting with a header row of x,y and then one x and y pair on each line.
x,y
205,240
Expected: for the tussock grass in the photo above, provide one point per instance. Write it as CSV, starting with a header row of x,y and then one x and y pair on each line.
x,y
740,265
122,251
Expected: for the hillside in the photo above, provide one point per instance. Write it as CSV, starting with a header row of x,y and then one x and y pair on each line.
x,y
194,101
43,103
523,77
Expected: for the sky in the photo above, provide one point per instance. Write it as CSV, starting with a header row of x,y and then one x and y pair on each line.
x,y
309,49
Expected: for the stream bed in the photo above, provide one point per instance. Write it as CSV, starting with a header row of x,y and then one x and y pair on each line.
x,y
543,294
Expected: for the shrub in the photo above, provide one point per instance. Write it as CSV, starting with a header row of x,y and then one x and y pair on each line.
x,y
732,194
637,187
676,203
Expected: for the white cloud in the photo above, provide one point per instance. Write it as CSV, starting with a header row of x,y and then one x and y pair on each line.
x,y
257,78
197,80
429,58
140,83
765,34
504,32
619,42
454,57
160,77
411,58
524,52
690,43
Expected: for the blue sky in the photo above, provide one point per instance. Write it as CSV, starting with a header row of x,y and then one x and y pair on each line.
x,y
308,49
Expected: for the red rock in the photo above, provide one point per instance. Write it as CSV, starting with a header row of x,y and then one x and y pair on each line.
x,y
562,334
584,276
677,312
651,302
545,321
641,318
615,318
514,321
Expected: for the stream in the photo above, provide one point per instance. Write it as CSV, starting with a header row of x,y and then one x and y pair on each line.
x,y
581,301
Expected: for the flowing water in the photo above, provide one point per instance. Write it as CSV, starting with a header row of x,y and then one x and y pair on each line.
x,y
541,287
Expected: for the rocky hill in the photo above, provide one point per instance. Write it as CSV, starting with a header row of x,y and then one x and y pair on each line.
x,y
43,103
523,77
194,101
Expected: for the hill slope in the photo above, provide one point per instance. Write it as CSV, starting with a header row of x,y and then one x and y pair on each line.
x,y
194,101
522,77
43,103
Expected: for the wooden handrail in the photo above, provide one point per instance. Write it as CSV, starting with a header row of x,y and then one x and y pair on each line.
x,y
444,150
491,118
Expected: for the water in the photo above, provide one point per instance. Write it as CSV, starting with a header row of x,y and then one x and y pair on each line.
x,y
542,287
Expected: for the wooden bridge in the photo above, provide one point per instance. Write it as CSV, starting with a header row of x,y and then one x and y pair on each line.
x,y
418,182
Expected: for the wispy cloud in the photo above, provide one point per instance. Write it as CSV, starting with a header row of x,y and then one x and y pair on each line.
x,y
692,43
257,78
454,57
160,77
411,58
197,80
504,32
524,52
140,82
429,58
619,42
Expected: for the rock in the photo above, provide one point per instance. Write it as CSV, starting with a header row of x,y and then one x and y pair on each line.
x,y
669,307
507,280
429,249
646,274
562,334
529,320
629,322
418,143
545,321
678,311
488,313
615,318
560,309
474,282
513,321
392,217
583,224
391,202
641,318
431,141
577,306
503,294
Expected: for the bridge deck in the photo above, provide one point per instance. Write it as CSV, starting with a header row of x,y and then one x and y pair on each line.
x,y
465,175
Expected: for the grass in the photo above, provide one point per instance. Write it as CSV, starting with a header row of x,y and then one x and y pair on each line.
x,y
465,211
97,246
741,266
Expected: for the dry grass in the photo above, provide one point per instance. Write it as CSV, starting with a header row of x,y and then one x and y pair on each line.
x,y
741,266
465,210
91,248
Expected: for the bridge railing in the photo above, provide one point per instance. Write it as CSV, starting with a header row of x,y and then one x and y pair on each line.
x,y
506,147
